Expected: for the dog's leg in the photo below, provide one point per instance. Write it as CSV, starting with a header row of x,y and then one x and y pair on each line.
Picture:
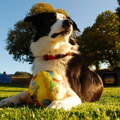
x,y
67,103
20,98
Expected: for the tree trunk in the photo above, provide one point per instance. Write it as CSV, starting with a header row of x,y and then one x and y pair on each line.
x,y
97,67
110,61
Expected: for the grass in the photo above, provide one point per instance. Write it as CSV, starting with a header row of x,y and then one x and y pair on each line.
x,y
107,108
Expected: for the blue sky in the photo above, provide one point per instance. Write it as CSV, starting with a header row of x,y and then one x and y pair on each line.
x,y
83,12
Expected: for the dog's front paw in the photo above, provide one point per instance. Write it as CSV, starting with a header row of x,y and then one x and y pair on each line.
x,y
6,101
58,105
10,101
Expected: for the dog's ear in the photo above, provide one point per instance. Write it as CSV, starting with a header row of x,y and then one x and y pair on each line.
x,y
29,19
35,19
75,26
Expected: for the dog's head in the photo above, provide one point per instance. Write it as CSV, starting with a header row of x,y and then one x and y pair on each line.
x,y
51,29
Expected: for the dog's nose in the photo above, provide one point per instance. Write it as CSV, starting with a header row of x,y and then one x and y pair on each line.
x,y
67,23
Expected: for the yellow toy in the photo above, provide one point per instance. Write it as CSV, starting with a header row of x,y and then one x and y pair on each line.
x,y
46,87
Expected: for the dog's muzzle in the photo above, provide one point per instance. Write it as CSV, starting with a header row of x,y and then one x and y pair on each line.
x,y
65,25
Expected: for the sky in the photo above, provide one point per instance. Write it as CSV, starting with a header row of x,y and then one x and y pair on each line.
x,y
83,12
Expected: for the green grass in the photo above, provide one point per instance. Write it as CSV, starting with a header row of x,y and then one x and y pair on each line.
x,y
107,108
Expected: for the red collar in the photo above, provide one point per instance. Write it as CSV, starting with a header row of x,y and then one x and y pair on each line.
x,y
52,57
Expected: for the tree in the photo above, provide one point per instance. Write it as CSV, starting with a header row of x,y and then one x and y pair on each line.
x,y
107,24
118,2
90,47
24,74
18,40
101,42
118,13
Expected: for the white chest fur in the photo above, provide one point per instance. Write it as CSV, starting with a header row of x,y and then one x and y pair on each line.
x,y
58,65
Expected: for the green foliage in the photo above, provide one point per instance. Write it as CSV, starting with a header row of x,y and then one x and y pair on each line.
x,y
24,74
118,11
90,47
40,8
18,40
107,24
107,108
61,11
45,7
101,42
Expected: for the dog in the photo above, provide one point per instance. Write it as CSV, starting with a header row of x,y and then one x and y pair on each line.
x,y
54,48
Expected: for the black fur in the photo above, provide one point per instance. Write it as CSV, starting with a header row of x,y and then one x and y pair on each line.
x,y
72,41
86,83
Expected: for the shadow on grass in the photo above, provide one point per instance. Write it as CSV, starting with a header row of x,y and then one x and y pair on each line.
x,y
12,90
13,85
30,106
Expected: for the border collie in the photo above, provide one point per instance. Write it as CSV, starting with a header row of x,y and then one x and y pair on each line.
x,y
54,49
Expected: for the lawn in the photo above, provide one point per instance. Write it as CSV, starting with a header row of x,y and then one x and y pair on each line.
x,y
107,108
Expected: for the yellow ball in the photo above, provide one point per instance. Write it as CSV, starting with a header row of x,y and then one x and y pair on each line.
x,y
46,87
